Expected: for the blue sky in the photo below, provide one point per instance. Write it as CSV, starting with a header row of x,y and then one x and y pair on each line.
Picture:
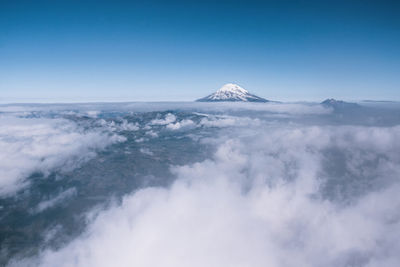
x,y
164,51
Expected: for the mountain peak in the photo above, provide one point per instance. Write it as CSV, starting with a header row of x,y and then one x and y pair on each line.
x,y
231,87
331,102
232,92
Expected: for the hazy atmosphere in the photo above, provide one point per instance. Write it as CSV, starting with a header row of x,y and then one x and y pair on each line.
x,y
200,133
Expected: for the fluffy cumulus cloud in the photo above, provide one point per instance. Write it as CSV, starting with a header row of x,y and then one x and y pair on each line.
x,y
29,145
207,120
184,124
169,118
259,201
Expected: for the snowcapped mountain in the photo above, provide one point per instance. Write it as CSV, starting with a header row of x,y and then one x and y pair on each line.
x,y
232,92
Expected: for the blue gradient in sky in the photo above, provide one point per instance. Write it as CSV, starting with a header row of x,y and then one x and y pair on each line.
x,y
152,51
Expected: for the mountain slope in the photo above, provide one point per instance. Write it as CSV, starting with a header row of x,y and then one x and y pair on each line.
x,y
338,104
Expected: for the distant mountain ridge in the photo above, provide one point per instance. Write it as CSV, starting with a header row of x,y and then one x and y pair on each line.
x,y
330,102
232,93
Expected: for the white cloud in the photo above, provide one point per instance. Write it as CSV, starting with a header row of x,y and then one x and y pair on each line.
x,y
169,118
257,202
146,151
30,145
151,133
93,113
183,124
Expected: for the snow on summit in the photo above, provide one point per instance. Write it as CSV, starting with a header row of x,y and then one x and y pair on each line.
x,y
232,92
231,87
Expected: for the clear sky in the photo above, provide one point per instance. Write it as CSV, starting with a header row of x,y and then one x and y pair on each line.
x,y
183,50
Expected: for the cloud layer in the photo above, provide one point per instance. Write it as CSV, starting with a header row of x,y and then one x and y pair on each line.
x,y
272,195
29,145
